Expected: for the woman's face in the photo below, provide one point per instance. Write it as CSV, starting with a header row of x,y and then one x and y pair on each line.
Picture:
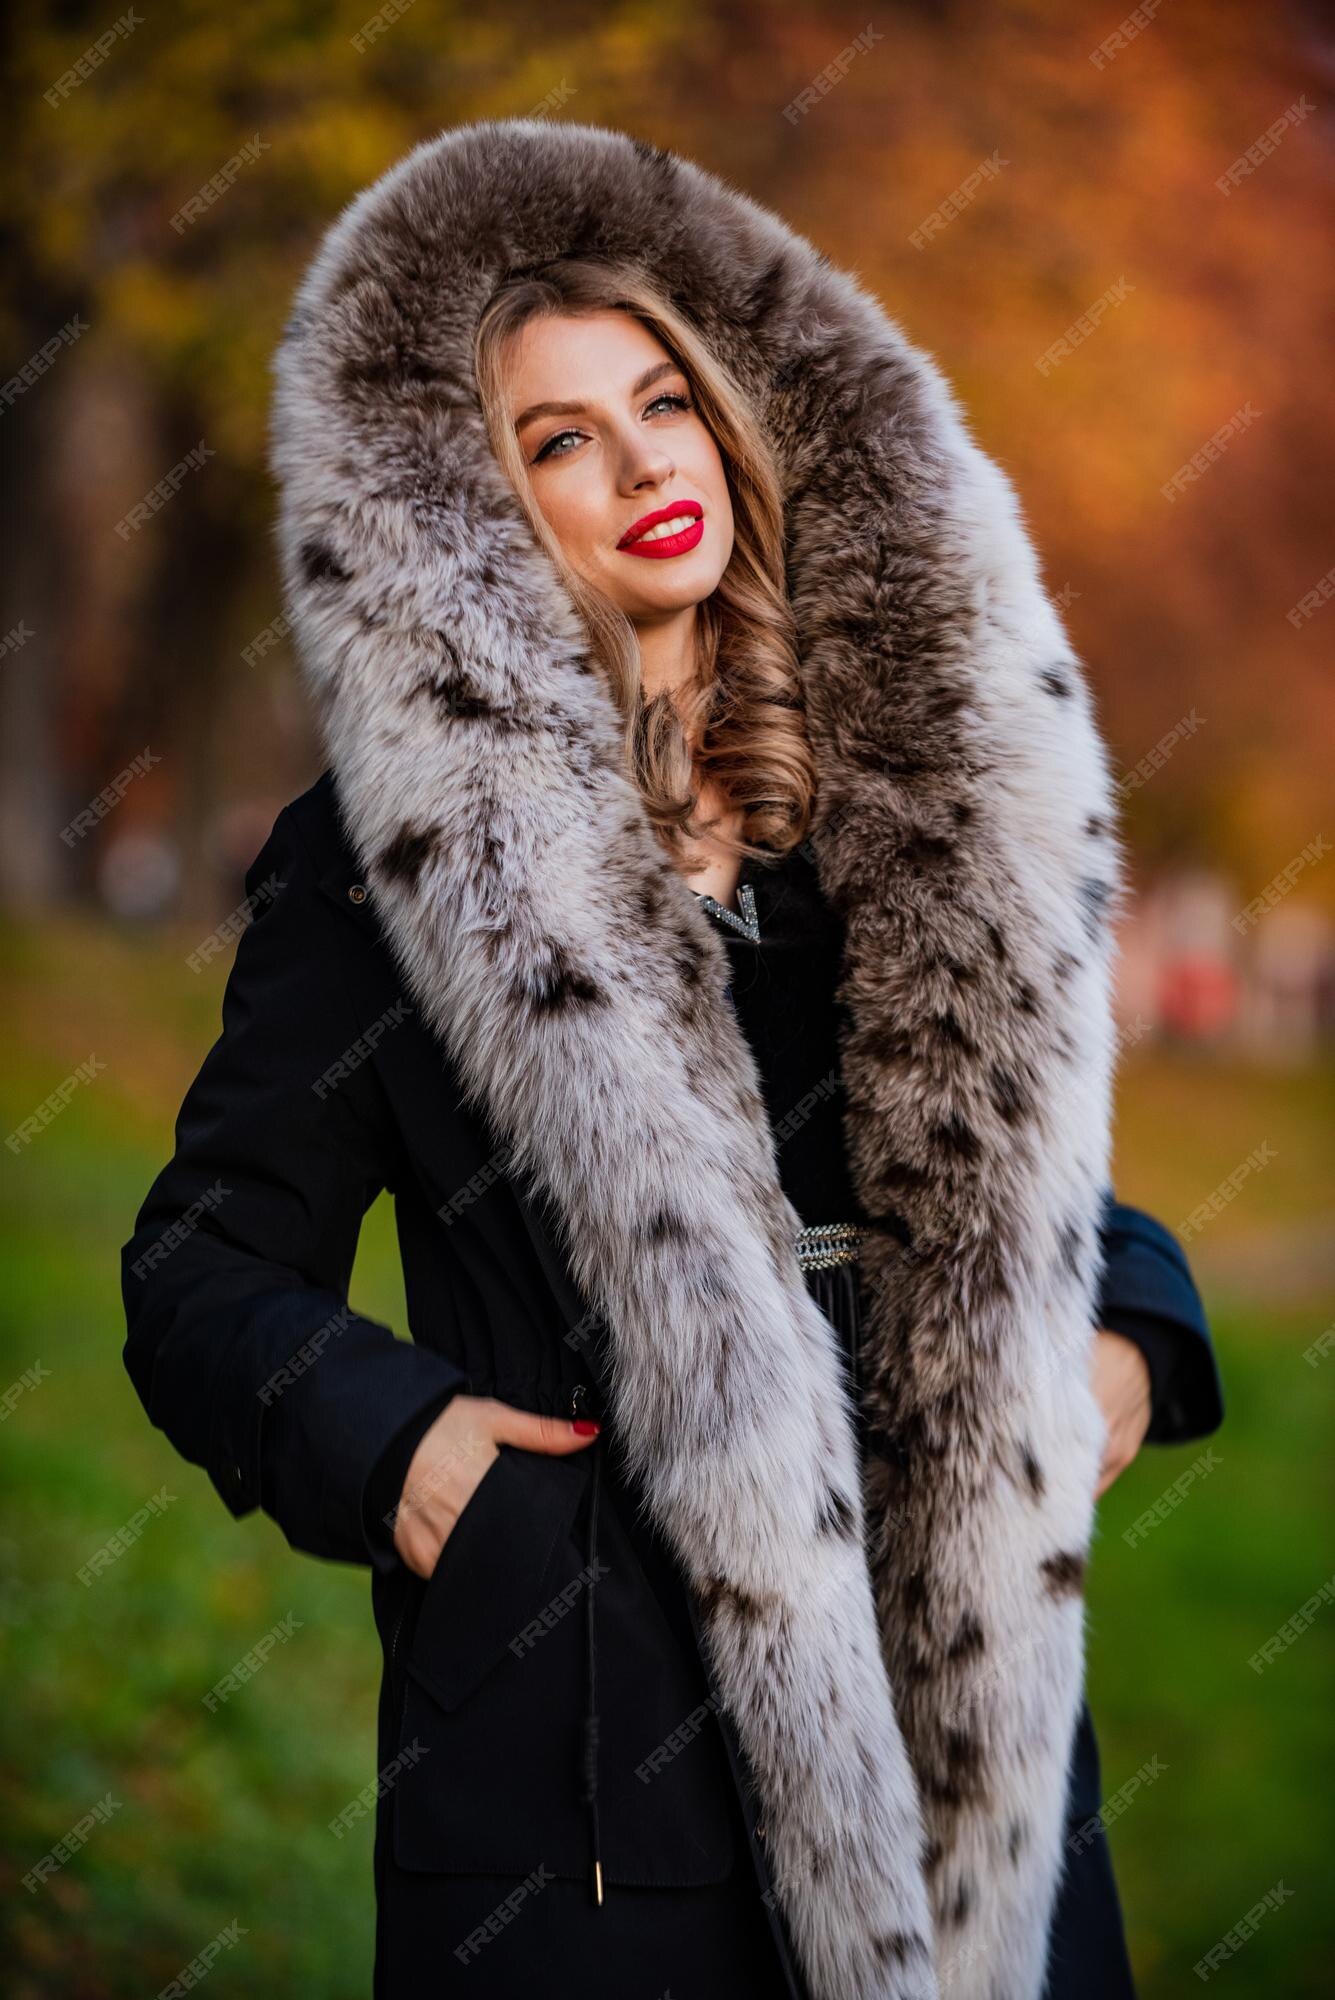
x,y
607,424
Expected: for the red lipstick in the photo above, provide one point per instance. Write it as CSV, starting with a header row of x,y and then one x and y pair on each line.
x,y
631,543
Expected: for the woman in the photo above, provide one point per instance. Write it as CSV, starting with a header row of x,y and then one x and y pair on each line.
x,y
771,1683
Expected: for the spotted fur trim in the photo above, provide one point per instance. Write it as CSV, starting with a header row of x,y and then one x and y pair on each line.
x,y
902,1657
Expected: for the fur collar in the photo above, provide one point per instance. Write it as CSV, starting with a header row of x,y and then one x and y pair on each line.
x,y
902,1658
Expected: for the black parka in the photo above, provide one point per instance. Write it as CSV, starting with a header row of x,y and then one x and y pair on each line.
x,y
323,1089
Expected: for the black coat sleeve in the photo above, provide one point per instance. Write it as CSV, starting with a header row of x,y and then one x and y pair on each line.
x,y
240,1341
1149,1294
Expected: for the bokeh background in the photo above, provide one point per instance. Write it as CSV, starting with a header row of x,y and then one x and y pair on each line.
x,y
152,728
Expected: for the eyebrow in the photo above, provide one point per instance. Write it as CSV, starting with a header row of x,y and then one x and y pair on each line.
x,y
576,409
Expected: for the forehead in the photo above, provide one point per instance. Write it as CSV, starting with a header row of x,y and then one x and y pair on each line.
x,y
592,356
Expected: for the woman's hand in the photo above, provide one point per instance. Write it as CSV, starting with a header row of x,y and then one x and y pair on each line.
x,y
448,1465
1121,1378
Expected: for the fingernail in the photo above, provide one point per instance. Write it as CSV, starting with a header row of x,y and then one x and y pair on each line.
x,y
585,1427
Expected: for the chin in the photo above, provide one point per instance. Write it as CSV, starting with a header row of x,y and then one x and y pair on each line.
x,y
683,589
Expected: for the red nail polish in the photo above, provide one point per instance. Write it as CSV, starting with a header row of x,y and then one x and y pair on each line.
x,y
585,1427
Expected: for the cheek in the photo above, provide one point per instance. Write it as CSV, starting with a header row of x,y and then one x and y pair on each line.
x,y
723,521
579,517
713,480
707,462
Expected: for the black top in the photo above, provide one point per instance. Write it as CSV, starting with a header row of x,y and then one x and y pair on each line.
x,y
783,993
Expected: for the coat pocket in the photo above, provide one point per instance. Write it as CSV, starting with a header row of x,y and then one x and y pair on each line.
x,y
488,1583
494,1691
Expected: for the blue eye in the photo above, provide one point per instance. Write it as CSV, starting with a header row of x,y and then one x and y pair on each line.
x,y
673,396
546,449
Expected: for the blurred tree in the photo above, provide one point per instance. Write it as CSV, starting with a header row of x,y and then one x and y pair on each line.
x,y
1103,186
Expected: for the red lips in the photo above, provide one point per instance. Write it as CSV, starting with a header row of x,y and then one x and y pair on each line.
x,y
647,521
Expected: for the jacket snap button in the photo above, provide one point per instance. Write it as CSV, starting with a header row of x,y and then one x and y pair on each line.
x,y
577,1394
357,893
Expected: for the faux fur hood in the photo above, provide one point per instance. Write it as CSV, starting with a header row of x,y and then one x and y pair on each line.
x,y
901,1655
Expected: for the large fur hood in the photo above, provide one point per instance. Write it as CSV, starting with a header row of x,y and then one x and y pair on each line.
x,y
902,1656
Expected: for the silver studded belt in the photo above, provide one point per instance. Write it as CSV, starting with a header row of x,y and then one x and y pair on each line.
x,y
822,1245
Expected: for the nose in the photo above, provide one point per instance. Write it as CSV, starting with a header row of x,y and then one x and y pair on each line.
x,y
645,463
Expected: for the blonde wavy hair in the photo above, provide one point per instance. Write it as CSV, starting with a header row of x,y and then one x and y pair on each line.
x,y
743,709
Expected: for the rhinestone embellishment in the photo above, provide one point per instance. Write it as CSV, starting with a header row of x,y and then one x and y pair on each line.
x,y
748,923
822,1245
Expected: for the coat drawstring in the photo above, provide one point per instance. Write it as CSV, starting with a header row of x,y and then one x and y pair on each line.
x,y
590,1744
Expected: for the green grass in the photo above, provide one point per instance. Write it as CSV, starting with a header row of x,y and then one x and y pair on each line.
x,y
1175,1617
223,1817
